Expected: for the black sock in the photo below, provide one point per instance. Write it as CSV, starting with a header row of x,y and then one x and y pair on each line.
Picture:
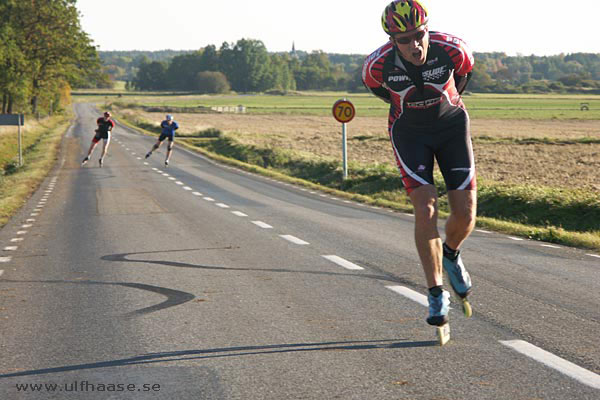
x,y
450,253
435,291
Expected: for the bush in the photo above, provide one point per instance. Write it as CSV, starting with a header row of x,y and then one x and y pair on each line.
x,y
212,82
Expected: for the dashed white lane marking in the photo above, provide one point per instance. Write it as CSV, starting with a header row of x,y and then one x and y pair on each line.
x,y
179,183
294,240
222,205
1,272
5,259
239,213
165,174
11,248
593,255
30,220
15,240
208,199
262,224
347,201
172,179
550,360
515,238
197,194
145,163
154,169
139,158
323,195
344,263
482,231
411,294
21,232
34,214
550,246
187,188
408,215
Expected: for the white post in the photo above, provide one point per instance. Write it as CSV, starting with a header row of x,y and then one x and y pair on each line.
x,y
19,140
344,150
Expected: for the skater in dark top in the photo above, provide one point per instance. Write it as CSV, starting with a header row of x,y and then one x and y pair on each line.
x,y
422,74
105,126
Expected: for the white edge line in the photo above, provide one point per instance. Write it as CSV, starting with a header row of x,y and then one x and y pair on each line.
x,y
343,263
515,238
411,294
593,255
550,360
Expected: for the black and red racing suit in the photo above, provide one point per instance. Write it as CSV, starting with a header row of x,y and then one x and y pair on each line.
x,y
427,117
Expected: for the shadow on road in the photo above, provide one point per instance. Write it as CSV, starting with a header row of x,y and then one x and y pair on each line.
x,y
238,351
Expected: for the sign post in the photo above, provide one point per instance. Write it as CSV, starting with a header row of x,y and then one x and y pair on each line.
x,y
343,111
18,120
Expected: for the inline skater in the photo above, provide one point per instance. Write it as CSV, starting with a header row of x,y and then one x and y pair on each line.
x,y
169,126
422,75
105,126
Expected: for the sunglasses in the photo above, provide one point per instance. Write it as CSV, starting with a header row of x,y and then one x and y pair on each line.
x,y
408,39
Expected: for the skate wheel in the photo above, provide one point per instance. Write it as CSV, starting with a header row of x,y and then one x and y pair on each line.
x,y
443,334
466,306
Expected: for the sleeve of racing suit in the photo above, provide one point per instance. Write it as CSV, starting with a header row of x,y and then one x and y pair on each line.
x,y
372,73
462,81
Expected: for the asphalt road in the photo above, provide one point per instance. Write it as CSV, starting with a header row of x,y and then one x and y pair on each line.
x,y
201,281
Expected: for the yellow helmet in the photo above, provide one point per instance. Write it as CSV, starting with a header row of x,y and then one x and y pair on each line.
x,y
403,16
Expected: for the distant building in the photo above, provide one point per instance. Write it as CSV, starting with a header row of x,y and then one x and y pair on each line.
x,y
293,52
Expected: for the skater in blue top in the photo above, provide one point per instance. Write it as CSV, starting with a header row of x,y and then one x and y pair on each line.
x,y
169,126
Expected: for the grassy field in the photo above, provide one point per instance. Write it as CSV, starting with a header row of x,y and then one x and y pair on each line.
x,y
537,156
538,107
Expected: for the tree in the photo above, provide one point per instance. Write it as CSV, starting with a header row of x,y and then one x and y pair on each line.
x,y
54,45
151,76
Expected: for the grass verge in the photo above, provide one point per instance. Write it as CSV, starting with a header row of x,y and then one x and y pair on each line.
x,y
40,153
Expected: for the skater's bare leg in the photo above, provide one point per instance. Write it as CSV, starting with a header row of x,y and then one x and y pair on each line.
x,y
169,151
427,237
460,223
105,147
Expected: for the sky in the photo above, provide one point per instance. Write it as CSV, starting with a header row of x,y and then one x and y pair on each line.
x,y
525,27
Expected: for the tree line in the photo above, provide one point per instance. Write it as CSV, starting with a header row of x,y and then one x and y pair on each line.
x,y
247,66
43,53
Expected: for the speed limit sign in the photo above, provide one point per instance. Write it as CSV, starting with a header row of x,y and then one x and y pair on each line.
x,y
343,111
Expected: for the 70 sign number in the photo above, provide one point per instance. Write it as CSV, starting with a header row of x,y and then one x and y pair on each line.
x,y
343,111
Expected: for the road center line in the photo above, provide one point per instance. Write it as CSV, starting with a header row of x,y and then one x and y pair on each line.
x,y
262,224
550,360
344,263
294,240
411,294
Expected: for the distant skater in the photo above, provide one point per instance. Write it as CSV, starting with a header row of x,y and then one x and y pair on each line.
x,y
105,126
169,126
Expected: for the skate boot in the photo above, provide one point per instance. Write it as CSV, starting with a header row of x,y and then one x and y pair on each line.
x,y
460,280
100,162
438,315
148,154
166,163
84,161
